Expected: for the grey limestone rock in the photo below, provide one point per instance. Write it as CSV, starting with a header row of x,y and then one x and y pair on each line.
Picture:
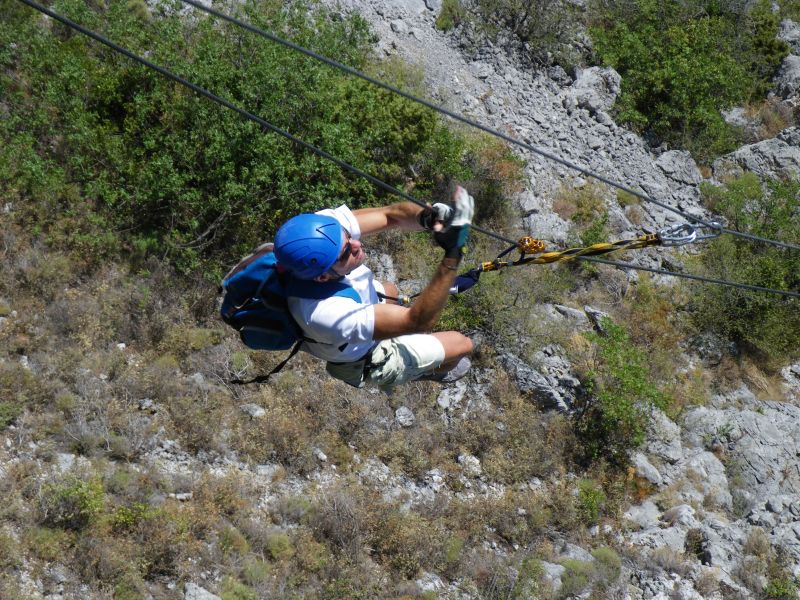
x,y
787,80
597,316
646,515
192,591
789,32
791,377
774,158
546,391
253,410
595,89
404,416
679,166
646,470
664,438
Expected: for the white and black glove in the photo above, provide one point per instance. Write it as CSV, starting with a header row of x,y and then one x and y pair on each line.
x,y
454,236
429,216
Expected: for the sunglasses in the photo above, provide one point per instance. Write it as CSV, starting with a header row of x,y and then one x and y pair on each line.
x,y
347,252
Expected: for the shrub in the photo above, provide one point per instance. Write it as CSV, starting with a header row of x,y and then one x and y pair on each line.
x,y
765,325
451,15
607,566
9,411
613,416
48,544
540,28
576,578
9,551
278,545
683,62
231,589
176,173
591,501
72,503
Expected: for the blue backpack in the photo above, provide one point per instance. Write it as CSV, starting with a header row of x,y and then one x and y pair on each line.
x,y
255,304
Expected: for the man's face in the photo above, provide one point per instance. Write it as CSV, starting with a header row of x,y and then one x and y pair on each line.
x,y
351,255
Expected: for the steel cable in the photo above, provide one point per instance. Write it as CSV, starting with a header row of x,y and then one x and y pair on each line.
x,y
268,126
484,128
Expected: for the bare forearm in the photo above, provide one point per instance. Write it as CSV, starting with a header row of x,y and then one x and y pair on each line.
x,y
401,215
426,310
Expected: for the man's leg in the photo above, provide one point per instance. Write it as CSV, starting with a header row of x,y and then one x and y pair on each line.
x,y
390,289
456,346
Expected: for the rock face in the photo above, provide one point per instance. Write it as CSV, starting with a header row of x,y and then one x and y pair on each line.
x,y
741,464
788,78
595,89
789,32
775,158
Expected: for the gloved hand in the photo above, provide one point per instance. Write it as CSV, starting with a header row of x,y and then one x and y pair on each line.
x,y
456,232
440,213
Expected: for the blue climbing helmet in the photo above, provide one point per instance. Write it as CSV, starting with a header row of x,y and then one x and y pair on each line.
x,y
307,245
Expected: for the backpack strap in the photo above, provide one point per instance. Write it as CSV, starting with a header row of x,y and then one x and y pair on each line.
x,y
263,378
310,290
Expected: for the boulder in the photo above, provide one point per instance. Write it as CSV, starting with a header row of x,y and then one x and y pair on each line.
x,y
547,391
789,32
595,89
404,416
774,158
679,166
193,591
787,80
645,515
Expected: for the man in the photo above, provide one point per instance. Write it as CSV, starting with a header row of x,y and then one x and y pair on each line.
x,y
371,341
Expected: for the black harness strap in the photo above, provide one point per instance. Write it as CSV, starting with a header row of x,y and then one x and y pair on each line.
x,y
263,378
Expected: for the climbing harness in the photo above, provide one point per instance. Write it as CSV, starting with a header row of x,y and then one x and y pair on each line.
x,y
677,235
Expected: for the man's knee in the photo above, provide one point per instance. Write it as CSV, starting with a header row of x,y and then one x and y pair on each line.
x,y
455,343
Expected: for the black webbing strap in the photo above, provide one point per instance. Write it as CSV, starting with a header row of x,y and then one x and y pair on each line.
x,y
263,378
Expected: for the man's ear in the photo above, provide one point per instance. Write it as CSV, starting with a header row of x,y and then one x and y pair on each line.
x,y
322,278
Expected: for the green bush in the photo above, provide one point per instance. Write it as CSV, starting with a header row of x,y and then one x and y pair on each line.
x,y
614,415
451,15
73,503
765,325
152,167
542,27
683,62
591,501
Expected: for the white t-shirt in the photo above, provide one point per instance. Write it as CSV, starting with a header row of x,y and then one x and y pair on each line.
x,y
336,321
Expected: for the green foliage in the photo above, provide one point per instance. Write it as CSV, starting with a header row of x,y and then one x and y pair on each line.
x,y
232,589
73,503
451,15
576,578
278,545
46,543
541,27
683,62
591,500
117,158
597,232
9,411
620,395
10,556
781,589
607,565
765,325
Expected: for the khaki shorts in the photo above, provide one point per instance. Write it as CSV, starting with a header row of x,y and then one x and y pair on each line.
x,y
393,362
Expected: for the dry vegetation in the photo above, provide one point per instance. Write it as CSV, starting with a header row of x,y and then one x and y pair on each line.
x,y
134,466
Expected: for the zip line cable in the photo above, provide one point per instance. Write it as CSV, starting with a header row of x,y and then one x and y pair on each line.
x,y
486,129
268,126
248,115
733,284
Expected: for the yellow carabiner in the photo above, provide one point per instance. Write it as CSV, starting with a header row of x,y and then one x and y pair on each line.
x,y
529,245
